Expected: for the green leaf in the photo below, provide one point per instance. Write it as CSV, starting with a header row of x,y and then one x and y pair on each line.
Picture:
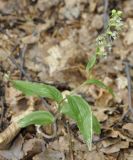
x,y
36,117
67,110
96,125
91,62
38,89
83,115
100,84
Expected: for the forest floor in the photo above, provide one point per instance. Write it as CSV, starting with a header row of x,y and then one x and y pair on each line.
x,y
50,41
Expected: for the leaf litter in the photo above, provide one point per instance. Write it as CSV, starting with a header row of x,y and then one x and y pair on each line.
x,y
60,38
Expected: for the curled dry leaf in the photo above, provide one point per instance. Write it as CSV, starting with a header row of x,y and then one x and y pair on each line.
x,y
8,135
13,129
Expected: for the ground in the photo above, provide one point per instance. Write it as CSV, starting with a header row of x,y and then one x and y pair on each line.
x,y
50,41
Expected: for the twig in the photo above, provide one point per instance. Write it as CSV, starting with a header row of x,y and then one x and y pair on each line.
x,y
2,111
130,65
2,102
12,59
105,15
129,87
22,55
70,142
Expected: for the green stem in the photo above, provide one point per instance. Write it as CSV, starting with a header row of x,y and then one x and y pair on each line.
x,y
71,93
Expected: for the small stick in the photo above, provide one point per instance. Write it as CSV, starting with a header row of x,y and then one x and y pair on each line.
x,y
105,15
70,142
2,112
3,107
130,65
129,86
22,55
12,59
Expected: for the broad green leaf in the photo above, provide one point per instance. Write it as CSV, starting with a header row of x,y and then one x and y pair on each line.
x,y
36,117
83,116
96,125
38,89
91,62
100,84
67,110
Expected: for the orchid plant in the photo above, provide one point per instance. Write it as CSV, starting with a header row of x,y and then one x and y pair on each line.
x,y
73,105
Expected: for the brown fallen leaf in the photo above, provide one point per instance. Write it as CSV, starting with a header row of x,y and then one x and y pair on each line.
x,y
100,114
62,144
13,129
94,155
128,128
4,54
44,5
116,147
97,22
109,142
92,5
116,134
32,147
8,135
121,82
128,8
15,151
128,38
129,33
30,39
128,155
50,155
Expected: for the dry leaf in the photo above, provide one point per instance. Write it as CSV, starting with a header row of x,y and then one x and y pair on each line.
x,y
49,155
32,147
116,147
128,128
15,152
